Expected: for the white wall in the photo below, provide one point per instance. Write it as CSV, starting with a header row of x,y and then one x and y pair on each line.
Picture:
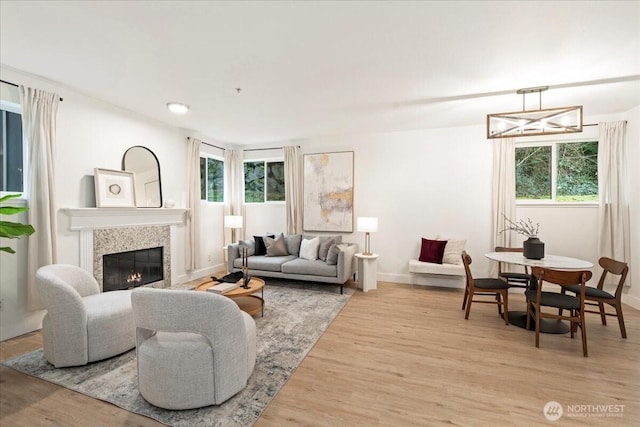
x,y
631,294
90,134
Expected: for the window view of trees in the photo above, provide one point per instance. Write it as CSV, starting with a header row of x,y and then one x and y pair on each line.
x,y
11,164
211,179
256,174
275,181
564,172
254,182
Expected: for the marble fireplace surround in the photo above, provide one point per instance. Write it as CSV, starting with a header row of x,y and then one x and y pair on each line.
x,y
110,230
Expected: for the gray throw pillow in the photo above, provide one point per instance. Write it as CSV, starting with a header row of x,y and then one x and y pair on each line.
x,y
332,256
249,244
276,247
323,250
293,243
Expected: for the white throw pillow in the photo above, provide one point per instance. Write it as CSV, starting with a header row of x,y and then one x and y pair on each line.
x,y
309,248
453,251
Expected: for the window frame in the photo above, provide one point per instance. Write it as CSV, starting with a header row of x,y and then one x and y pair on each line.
x,y
553,143
16,108
207,156
265,161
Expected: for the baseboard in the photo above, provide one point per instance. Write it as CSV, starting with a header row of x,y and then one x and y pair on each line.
x,y
631,301
197,274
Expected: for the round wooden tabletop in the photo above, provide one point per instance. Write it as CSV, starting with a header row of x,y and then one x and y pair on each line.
x,y
249,303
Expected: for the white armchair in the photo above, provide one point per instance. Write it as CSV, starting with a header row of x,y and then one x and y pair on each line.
x,y
194,348
82,324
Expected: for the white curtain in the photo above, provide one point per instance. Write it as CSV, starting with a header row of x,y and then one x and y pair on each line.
x,y
503,203
613,214
192,256
39,110
293,189
234,187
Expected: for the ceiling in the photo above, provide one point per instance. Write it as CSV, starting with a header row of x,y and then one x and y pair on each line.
x,y
312,68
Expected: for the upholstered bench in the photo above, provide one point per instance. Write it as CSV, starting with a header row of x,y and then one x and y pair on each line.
x,y
448,271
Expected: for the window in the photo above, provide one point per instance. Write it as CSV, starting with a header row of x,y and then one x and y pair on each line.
x,y
256,174
11,152
211,179
557,171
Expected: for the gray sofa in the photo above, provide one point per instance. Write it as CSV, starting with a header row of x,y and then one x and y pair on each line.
x,y
291,266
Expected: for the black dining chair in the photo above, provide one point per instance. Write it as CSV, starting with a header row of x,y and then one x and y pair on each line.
x,y
598,297
513,278
484,287
539,298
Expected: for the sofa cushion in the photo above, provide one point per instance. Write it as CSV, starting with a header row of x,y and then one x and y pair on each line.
x,y
293,243
249,244
323,249
264,263
309,267
432,250
334,251
309,248
261,248
276,247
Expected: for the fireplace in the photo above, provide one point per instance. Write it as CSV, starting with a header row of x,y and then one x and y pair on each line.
x,y
124,270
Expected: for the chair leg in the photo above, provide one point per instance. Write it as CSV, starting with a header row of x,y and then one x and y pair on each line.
x,y
572,325
464,300
537,326
528,324
469,301
506,307
603,316
499,304
623,330
583,329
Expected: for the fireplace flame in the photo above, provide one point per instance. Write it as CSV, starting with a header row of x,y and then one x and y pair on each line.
x,y
134,277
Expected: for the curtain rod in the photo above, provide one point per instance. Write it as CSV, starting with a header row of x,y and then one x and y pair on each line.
x,y
596,124
15,85
251,149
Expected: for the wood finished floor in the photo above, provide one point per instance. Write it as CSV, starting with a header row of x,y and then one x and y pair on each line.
x,y
401,356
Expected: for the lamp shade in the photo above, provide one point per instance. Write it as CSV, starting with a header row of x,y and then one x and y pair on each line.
x,y
233,221
367,224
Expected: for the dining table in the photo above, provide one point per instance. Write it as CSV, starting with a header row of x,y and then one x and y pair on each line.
x,y
558,262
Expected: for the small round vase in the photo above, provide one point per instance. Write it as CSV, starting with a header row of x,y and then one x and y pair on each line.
x,y
533,248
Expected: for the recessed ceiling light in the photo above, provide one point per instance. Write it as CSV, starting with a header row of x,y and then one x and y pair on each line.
x,y
178,108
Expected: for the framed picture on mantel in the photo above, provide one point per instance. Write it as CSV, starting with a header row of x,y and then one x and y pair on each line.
x,y
114,189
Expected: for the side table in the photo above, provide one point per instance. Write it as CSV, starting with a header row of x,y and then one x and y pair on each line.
x,y
367,271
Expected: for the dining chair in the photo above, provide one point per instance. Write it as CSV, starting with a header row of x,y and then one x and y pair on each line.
x,y
538,298
514,279
489,286
598,297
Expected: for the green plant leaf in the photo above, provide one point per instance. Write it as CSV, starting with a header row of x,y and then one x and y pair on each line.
x,y
9,196
7,249
12,210
13,230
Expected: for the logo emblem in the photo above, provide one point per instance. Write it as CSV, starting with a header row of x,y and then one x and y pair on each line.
x,y
552,411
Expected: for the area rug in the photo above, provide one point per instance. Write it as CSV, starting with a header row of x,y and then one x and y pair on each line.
x,y
295,316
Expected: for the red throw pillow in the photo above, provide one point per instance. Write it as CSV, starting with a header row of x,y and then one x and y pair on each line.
x,y
432,251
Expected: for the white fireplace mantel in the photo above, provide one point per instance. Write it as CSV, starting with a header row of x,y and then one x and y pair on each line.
x,y
92,218
85,220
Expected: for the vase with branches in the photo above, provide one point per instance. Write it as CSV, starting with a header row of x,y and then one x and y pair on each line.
x,y
532,248
12,230
524,227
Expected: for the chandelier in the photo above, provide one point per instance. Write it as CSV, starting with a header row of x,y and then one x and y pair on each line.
x,y
546,121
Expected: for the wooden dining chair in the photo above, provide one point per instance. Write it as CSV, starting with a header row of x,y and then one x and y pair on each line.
x,y
490,286
598,297
538,298
513,279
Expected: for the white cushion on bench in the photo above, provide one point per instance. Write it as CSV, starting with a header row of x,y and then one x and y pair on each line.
x,y
416,266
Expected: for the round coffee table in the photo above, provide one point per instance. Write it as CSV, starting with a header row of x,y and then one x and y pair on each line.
x,y
245,298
